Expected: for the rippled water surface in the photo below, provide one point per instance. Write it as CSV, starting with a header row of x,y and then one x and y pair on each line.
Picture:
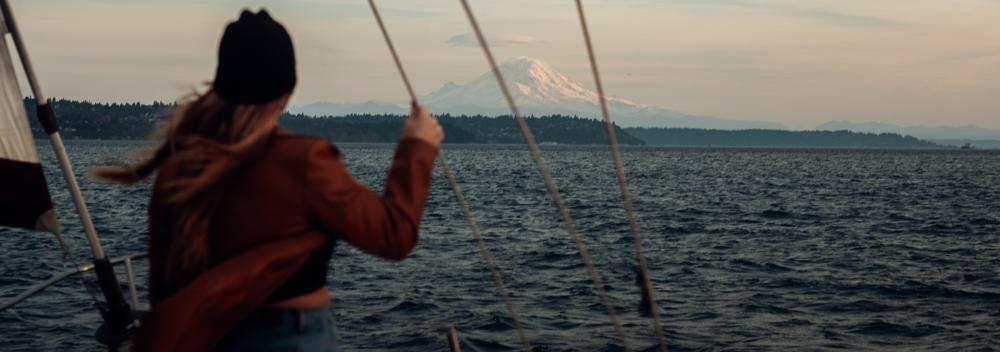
x,y
749,250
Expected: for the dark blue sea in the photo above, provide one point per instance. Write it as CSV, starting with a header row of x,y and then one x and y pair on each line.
x,y
749,249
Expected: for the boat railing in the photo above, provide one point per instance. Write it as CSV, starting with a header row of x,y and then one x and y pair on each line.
x,y
39,287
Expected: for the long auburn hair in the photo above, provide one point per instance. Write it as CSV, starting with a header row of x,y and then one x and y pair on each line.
x,y
208,138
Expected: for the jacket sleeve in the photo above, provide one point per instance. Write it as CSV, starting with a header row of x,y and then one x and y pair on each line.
x,y
386,226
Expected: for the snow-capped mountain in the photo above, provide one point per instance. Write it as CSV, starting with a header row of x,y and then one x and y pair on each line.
x,y
534,84
539,89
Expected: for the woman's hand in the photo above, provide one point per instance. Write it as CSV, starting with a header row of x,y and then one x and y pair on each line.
x,y
421,125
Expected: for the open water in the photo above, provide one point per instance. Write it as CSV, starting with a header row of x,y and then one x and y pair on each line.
x,y
750,249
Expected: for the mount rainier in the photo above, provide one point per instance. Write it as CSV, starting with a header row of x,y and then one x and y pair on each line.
x,y
538,89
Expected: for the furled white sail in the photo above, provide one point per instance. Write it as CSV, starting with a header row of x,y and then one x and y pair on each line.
x,y
24,194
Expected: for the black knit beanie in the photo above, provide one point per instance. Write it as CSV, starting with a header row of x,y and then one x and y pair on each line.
x,y
256,60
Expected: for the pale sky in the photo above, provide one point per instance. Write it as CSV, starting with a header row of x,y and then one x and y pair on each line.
x,y
797,62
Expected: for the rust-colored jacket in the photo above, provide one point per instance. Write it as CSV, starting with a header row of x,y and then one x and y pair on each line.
x,y
280,209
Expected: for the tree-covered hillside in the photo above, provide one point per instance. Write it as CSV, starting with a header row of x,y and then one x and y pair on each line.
x,y
458,129
87,120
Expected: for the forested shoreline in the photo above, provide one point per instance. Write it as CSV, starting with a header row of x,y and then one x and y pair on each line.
x,y
776,138
136,121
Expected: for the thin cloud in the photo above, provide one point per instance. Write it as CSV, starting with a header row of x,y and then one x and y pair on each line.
x,y
839,18
467,39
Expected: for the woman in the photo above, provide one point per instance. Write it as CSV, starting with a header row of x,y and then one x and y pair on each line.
x,y
244,215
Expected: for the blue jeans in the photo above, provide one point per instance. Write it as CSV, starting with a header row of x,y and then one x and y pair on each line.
x,y
293,330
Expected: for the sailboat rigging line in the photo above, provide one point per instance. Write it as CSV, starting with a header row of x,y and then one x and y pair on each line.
x,y
453,340
622,181
550,184
487,257
392,50
459,197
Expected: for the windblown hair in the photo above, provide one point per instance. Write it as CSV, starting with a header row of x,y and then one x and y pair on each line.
x,y
208,139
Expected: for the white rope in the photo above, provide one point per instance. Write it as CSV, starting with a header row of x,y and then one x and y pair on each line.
x,y
473,227
633,225
550,184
